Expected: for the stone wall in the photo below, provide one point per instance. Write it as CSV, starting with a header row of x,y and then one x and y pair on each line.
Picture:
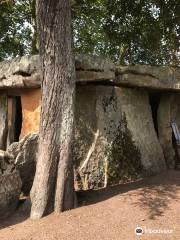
x,y
115,139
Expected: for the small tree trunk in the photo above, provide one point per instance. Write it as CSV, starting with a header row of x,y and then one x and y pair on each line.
x,y
53,184
34,44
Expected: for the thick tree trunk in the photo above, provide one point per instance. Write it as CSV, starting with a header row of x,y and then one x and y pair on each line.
x,y
53,184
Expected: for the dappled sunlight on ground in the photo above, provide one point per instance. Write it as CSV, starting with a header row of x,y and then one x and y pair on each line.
x,y
108,214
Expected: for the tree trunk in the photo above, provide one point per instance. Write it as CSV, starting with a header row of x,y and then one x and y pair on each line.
x,y
34,44
53,184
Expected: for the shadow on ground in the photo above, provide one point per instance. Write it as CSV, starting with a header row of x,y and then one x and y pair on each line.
x,y
154,194
156,199
22,213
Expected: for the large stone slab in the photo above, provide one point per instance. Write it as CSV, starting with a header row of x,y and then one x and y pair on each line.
x,y
164,117
3,121
12,111
115,140
151,77
168,112
93,63
95,76
21,72
24,72
10,185
175,117
135,105
24,154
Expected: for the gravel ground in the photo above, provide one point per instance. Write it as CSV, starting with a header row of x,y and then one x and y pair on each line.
x,y
152,204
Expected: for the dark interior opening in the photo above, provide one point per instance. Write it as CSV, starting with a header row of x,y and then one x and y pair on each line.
x,y
154,100
18,119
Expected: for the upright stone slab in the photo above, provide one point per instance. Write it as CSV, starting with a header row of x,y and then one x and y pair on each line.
x,y
11,120
164,128
175,117
135,105
175,113
24,153
10,185
168,112
115,140
3,121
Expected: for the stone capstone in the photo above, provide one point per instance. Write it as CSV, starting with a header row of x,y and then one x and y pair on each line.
x,y
150,77
10,185
24,72
21,72
93,63
24,153
91,68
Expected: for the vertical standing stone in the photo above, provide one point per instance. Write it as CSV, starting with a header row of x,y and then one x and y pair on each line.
x,y
164,128
3,121
10,185
175,116
11,120
135,105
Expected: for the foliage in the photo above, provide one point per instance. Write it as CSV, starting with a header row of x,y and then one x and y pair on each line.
x,y
16,29
141,31
129,32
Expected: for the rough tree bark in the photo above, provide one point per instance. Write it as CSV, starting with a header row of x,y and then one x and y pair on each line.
x,y
53,184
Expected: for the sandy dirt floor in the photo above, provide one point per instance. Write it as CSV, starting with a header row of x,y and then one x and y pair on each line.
x,y
152,204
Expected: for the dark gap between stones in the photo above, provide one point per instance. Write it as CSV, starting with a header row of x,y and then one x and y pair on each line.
x,y
18,119
154,100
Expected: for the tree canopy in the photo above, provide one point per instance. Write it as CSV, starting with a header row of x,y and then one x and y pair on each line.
x,y
129,32
16,28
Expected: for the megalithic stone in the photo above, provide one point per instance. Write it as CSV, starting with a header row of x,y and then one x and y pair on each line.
x,y
3,121
11,120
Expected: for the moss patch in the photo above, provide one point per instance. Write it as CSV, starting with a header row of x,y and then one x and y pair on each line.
x,y
125,158
3,102
109,101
